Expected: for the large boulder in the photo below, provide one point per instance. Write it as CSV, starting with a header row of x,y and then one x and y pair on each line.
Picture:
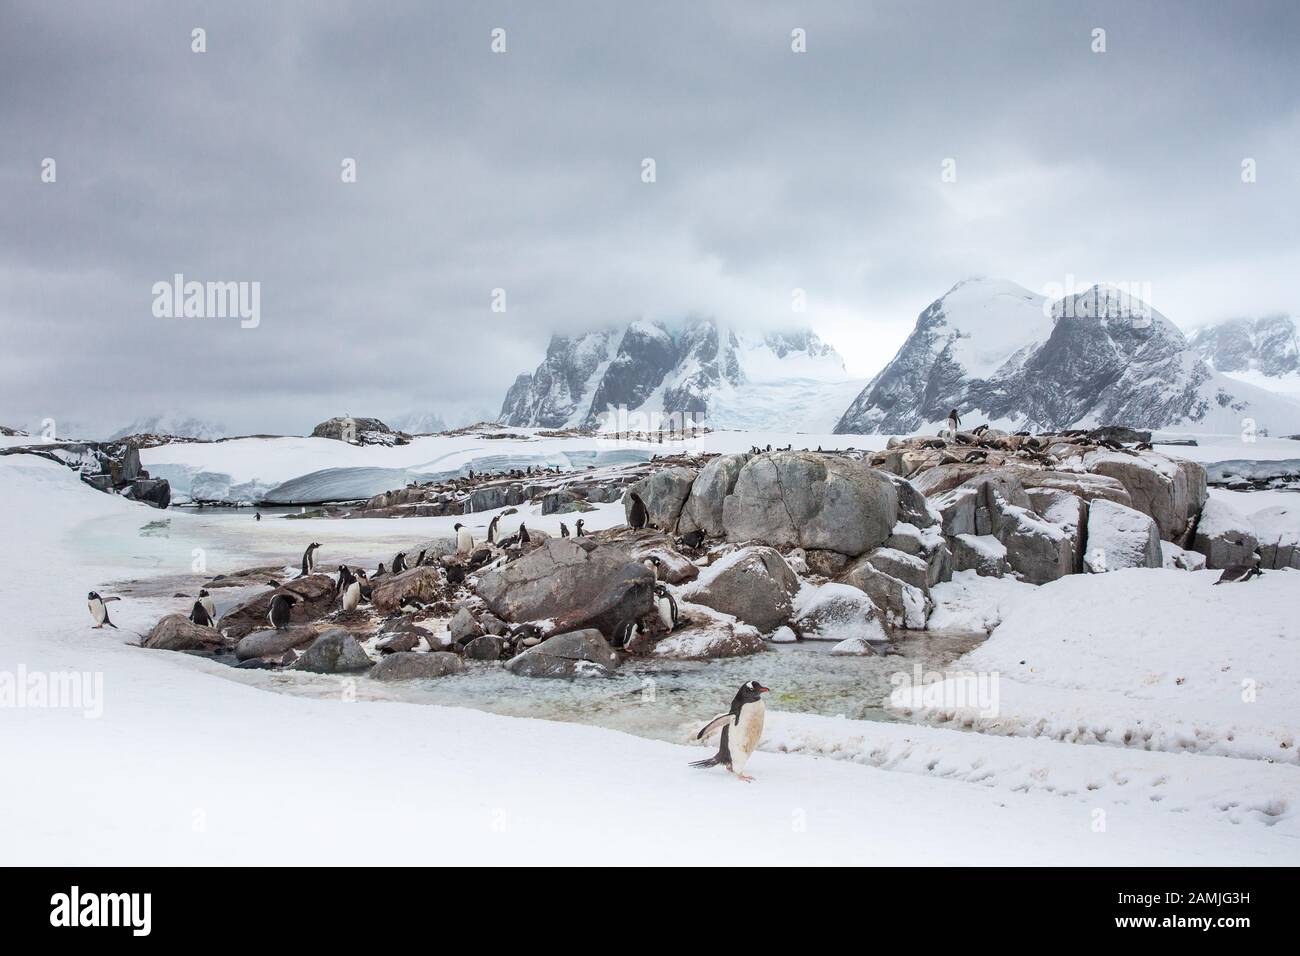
x,y
1066,511
273,644
1037,550
908,568
810,500
664,494
152,491
708,636
176,632
902,604
981,553
316,597
674,568
1080,483
334,652
703,508
583,653
409,665
1160,487
1120,537
1224,535
752,584
573,586
1278,528
422,584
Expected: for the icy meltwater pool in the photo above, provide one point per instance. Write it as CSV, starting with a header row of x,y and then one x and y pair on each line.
x,y
661,699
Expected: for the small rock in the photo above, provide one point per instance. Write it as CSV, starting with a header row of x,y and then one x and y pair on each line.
x,y
411,666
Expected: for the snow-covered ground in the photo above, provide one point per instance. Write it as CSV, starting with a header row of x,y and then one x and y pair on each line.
x,y
192,762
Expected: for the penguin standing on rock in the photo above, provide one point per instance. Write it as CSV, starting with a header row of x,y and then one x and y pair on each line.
x,y
492,529
954,422
281,607
578,525
98,610
206,600
666,605
523,535
309,559
464,540
639,516
564,530
742,728
399,562
199,615
652,564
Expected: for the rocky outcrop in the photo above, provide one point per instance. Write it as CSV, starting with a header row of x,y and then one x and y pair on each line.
x,y
583,653
835,612
1278,528
1170,492
316,597
1120,537
903,605
359,431
703,508
753,584
809,500
272,645
574,587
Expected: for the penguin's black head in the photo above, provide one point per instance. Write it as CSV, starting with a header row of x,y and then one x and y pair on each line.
x,y
314,545
92,596
203,592
752,691
457,526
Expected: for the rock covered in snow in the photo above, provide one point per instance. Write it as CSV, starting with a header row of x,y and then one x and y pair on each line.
x,y
837,612
1224,535
753,584
1279,536
1120,537
359,431
1175,558
903,605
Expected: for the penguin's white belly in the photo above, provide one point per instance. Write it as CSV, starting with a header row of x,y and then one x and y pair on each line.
x,y
352,596
464,541
743,738
97,611
209,607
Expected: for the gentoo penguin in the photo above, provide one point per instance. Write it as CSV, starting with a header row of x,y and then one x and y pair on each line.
x,y
692,539
979,429
954,422
206,600
352,595
199,615
741,727
257,516
564,530
652,563
666,605
455,573
638,517
419,562
399,562
281,605
1234,573
364,580
492,529
624,631
464,540
98,611
345,578
309,559
523,534
578,526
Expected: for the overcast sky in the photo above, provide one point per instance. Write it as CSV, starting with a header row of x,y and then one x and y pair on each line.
x,y
523,171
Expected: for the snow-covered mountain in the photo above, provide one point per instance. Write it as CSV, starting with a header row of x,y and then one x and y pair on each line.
x,y
172,424
418,423
789,381
1003,354
1263,352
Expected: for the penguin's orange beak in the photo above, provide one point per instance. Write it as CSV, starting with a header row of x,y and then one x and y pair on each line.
x,y
763,690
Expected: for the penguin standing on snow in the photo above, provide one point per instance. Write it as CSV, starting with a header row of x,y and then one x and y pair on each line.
x,y
309,559
741,727
1235,573
666,605
98,611
281,607
954,422
464,540
638,517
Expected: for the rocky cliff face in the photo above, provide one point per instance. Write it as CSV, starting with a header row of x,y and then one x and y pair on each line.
x,y
1001,354
1270,346
700,367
